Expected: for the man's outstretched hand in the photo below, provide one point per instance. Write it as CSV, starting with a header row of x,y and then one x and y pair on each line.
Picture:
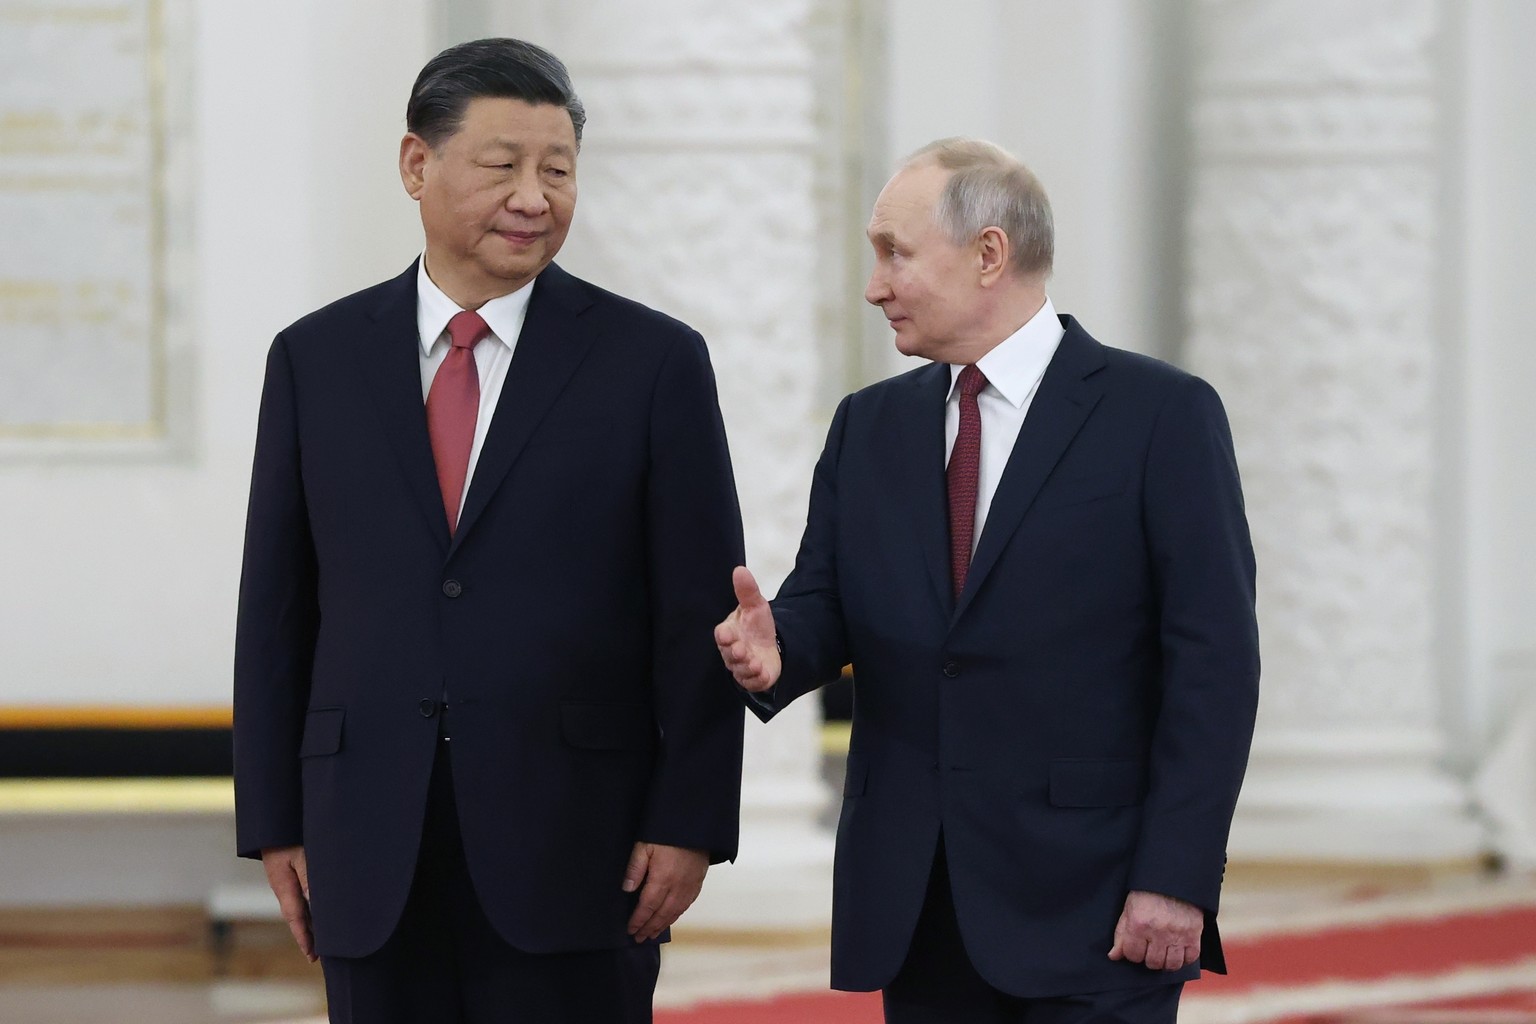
x,y
747,640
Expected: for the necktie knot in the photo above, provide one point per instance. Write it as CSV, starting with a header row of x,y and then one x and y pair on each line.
x,y
467,328
972,381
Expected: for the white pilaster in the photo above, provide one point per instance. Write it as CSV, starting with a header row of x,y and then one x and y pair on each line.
x,y
699,196
1315,227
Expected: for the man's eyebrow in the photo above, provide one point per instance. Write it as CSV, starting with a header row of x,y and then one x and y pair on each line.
x,y
559,149
882,237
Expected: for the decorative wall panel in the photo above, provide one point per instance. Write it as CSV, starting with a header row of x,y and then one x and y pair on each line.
x,y
82,160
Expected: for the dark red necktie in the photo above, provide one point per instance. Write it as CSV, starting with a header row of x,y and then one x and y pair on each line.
x,y
453,405
964,466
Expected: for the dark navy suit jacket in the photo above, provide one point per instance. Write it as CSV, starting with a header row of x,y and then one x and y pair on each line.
x,y
1078,722
568,622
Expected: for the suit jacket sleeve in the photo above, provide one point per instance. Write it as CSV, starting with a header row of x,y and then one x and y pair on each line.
x,y
808,612
694,535
1203,573
276,626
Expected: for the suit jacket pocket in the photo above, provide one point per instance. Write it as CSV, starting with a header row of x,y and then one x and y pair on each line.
x,y
322,732
1097,782
592,726
1081,490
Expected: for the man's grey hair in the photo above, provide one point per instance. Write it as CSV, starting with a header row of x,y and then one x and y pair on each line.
x,y
990,187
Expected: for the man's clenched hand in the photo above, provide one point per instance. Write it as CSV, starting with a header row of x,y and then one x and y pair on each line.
x,y
1159,931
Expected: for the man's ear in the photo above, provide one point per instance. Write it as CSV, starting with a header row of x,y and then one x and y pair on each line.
x,y
992,255
413,162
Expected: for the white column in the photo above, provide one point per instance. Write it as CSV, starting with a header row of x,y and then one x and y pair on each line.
x,y
1315,235
699,196
1495,308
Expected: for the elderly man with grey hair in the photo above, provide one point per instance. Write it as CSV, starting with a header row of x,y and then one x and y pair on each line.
x,y
1034,553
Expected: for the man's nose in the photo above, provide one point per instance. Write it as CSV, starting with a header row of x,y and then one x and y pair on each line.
x,y
876,292
527,197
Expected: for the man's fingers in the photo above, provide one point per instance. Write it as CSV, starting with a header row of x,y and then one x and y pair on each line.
x,y
658,916
301,935
670,910
634,872
1157,956
651,899
295,909
288,876
1117,951
748,595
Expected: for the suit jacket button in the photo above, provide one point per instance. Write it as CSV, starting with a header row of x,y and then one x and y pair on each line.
x,y
428,707
951,669
453,588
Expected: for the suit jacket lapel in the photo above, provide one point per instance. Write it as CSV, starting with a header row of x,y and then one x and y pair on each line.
x,y
918,462
549,350
391,362
1066,397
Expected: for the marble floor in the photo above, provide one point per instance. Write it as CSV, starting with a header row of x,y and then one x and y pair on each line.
x,y
264,982
160,967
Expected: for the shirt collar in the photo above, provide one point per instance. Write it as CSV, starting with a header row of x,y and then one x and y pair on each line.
x,y
503,314
1016,364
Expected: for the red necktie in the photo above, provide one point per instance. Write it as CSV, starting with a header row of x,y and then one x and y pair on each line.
x,y
964,464
453,405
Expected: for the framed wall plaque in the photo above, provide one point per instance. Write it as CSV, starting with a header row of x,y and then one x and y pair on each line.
x,y
92,134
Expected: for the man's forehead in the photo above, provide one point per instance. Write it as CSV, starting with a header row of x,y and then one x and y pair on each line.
x,y
906,199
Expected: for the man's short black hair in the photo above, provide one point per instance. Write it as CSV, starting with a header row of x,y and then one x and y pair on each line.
x,y
507,68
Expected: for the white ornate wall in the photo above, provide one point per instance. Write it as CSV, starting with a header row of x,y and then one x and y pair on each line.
x,y
1357,284
1315,238
698,196
1494,306
120,568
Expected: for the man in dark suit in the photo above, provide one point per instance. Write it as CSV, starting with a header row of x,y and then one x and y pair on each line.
x,y
1034,554
482,743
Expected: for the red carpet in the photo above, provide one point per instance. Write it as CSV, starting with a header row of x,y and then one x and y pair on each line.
x,y
821,1008
1370,952
1434,960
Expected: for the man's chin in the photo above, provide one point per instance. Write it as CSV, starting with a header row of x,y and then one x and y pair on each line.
x,y
524,268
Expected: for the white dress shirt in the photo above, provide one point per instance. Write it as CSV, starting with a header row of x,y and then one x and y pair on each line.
x,y
503,314
1013,370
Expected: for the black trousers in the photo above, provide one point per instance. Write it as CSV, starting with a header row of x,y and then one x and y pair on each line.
x,y
937,984
446,964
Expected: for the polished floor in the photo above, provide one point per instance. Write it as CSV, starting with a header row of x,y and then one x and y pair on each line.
x,y
167,967
161,967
